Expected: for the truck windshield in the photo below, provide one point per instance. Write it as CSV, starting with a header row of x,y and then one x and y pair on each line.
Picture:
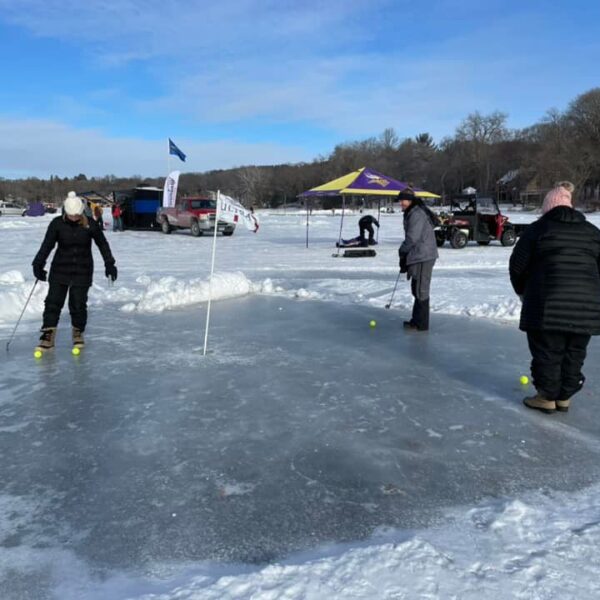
x,y
204,204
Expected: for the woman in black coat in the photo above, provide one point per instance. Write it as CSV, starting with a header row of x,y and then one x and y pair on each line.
x,y
72,268
555,269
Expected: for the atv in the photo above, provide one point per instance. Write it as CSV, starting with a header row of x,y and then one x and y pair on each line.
x,y
478,220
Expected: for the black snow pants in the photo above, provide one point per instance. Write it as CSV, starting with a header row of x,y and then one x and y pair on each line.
x,y
363,228
420,283
557,359
55,300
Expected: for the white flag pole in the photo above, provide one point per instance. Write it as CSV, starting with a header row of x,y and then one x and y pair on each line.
x,y
212,270
168,157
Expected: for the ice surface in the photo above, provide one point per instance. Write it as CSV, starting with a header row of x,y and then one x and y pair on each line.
x,y
303,427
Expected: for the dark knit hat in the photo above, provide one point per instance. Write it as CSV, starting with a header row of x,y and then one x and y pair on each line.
x,y
406,194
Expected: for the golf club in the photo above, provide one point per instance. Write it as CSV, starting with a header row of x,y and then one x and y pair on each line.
x,y
12,335
389,304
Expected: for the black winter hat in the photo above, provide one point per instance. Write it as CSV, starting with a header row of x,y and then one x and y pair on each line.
x,y
406,194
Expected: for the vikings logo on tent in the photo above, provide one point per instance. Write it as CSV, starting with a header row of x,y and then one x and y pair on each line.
x,y
377,179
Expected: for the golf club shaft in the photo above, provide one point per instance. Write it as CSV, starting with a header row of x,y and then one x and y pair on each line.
x,y
12,335
394,291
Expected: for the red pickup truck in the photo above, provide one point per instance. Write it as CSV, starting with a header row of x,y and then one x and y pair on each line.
x,y
196,213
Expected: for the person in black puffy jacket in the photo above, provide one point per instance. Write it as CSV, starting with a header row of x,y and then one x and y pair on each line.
x,y
72,268
555,269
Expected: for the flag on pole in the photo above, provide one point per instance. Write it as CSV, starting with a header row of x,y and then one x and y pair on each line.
x,y
231,211
170,189
173,149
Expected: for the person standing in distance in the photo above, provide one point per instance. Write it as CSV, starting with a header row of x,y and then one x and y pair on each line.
x,y
418,254
72,269
555,269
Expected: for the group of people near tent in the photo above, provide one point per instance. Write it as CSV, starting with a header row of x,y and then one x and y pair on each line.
x,y
554,268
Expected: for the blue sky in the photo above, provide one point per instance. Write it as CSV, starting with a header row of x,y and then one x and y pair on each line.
x,y
98,86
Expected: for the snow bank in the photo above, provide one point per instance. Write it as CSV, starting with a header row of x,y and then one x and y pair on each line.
x,y
14,290
504,310
169,292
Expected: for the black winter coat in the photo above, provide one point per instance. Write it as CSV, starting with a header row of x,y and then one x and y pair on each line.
x,y
73,263
555,267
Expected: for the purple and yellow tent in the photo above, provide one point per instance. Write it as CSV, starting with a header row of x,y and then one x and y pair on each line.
x,y
363,182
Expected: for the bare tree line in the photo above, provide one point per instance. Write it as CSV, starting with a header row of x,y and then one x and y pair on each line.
x,y
482,153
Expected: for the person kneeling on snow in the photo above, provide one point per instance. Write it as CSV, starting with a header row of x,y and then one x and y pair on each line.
x,y
418,254
555,269
72,268
365,224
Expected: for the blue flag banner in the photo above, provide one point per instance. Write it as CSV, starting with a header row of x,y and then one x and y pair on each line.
x,y
173,149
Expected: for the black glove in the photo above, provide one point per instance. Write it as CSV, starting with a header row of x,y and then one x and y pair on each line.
x,y
403,265
39,272
111,271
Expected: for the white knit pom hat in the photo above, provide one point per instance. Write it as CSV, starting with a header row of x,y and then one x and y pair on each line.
x,y
73,204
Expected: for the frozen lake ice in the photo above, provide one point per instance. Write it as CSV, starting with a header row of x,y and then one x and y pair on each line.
x,y
302,427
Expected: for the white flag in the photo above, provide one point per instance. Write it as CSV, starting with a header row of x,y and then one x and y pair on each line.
x,y
170,189
231,211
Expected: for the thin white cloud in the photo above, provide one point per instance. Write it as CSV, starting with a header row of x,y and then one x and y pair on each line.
x,y
53,148
353,95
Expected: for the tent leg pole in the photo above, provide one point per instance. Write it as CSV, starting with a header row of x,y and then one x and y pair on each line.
x,y
307,222
341,224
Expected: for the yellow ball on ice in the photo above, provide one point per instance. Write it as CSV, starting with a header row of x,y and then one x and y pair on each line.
x,y
76,351
37,354
373,323
524,380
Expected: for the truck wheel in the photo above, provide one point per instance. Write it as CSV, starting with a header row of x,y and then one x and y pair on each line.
x,y
164,225
509,237
484,243
195,229
228,233
458,240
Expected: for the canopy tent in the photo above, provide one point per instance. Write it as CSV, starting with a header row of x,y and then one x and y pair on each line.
x,y
363,182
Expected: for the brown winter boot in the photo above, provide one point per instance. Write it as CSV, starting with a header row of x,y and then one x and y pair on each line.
x,y
563,405
540,403
78,341
47,339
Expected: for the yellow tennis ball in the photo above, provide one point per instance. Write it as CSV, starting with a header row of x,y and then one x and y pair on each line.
x,y
373,323
76,351
38,354
524,380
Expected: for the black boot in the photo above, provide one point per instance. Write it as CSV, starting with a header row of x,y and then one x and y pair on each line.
x,y
412,324
423,324
420,320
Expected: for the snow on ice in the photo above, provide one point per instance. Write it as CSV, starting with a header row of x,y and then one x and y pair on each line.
x,y
374,465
